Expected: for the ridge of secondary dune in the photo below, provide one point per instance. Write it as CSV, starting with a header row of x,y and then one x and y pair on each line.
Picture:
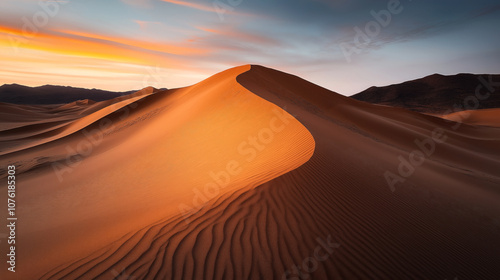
x,y
484,117
102,194
38,125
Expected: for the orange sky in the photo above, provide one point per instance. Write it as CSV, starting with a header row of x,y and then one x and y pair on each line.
x,y
34,58
44,47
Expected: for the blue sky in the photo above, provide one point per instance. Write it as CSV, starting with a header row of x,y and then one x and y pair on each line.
x,y
127,44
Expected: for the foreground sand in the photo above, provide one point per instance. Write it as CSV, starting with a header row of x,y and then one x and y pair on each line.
x,y
217,181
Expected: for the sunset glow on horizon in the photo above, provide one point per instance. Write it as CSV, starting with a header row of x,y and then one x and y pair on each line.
x,y
124,44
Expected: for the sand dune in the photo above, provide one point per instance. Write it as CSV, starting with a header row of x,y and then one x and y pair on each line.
x,y
244,176
176,140
427,229
485,117
42,124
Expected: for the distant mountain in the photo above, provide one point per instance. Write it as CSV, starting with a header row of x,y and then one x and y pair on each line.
x,y
437,94
18,94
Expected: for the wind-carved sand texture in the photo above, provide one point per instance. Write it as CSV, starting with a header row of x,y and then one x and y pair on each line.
x,y
179,184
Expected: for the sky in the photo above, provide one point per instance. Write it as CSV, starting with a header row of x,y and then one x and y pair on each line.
x,y
345,46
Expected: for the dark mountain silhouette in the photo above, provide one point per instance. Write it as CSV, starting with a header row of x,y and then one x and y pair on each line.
x,y
438,94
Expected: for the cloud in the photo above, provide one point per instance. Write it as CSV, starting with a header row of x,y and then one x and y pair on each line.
x,y
121,42
139,3
441,26
92,45
144,24
239,35
218,9
192,5
409,27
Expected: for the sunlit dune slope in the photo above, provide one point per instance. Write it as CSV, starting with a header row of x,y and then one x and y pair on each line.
x,y
92,198
485,117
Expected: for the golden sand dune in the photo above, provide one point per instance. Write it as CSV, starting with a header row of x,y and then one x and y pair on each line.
x,y
173,155
485,117
257,174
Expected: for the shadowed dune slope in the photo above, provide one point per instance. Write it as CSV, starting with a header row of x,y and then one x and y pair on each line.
x,y
216,181
440,223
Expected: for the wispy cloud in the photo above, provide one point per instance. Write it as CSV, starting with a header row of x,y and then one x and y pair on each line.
x,y
227,9
232,34
139,3
167,48
197,6
144,24
90,59
99,46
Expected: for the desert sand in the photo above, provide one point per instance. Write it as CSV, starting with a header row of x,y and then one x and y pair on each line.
x,y
243,176
485,117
